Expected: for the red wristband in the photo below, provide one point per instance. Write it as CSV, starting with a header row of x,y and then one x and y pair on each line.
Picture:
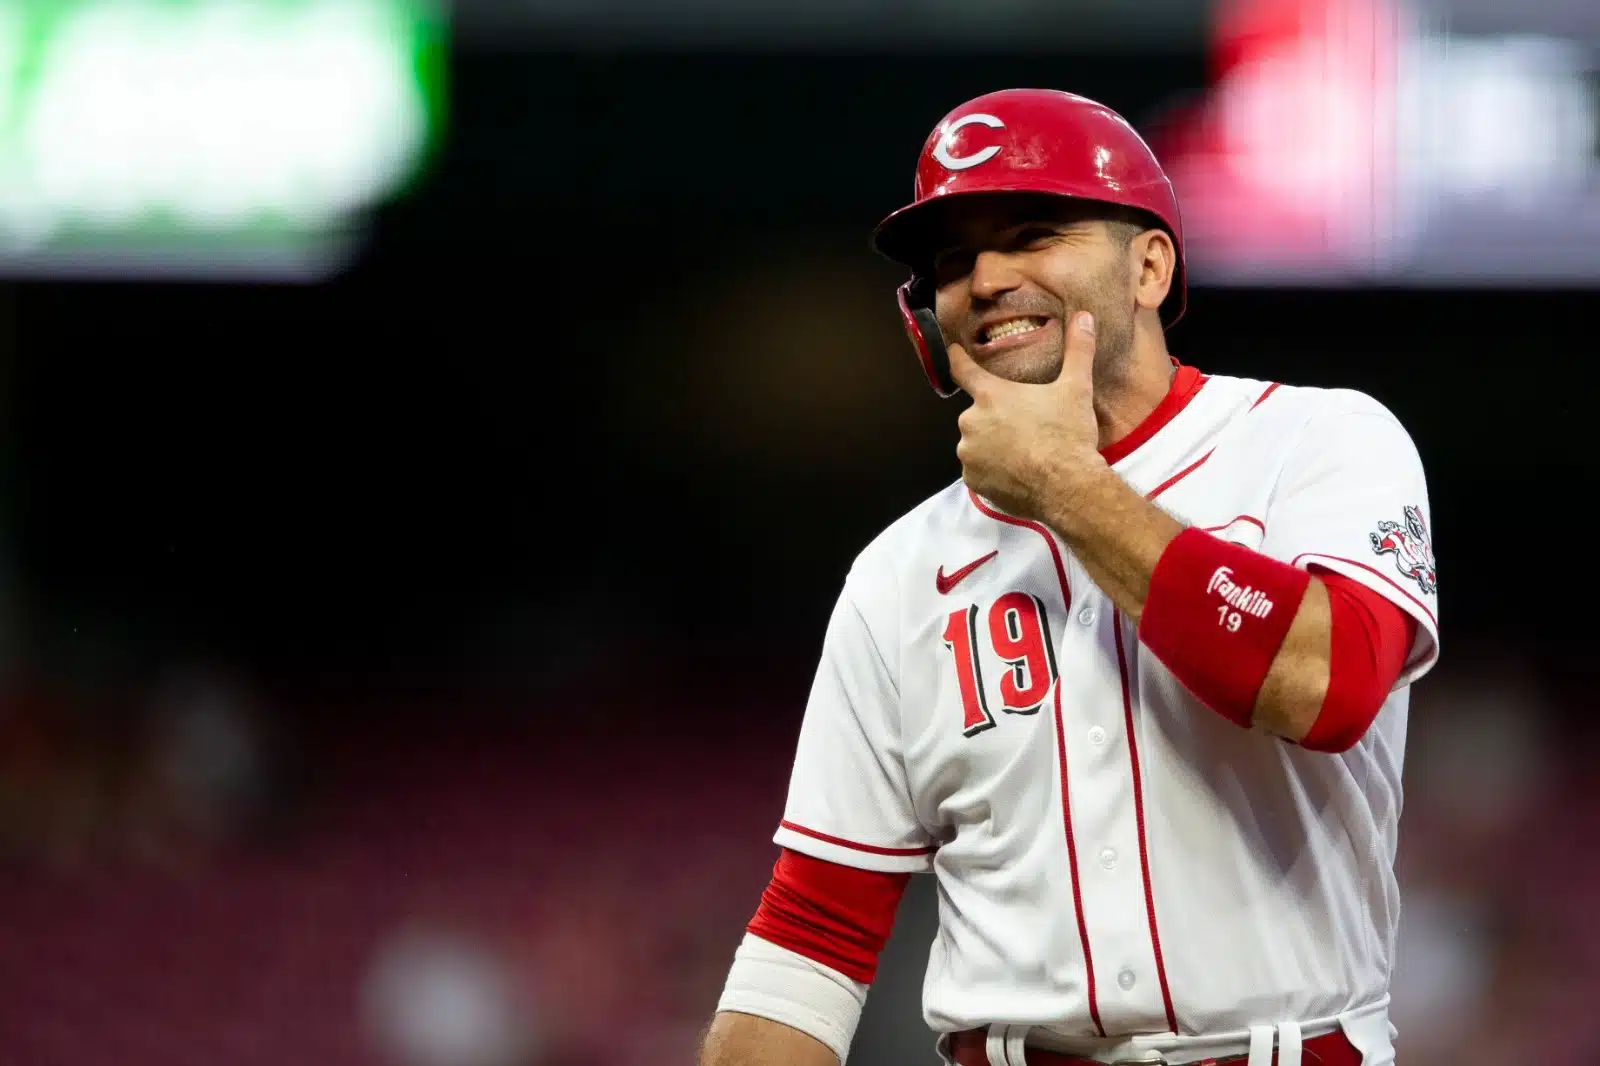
x,y
1216,615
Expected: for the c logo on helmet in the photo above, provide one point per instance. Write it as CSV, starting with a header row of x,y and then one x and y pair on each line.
x,y
941,151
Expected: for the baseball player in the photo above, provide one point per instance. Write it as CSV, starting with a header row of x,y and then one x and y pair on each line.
x,y
1134,690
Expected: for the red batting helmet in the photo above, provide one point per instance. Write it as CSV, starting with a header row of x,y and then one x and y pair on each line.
x,y
1021,140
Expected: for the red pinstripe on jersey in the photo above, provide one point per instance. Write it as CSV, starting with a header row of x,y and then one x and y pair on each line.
x,y
1138,813
1198,463
1179,476
1061,754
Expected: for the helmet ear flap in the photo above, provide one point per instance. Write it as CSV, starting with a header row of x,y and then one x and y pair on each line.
x,y
916,299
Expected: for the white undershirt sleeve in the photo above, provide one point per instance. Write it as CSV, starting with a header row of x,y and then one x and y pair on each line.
x,y
781,985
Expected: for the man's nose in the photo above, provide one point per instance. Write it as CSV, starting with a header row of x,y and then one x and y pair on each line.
x,y
994,273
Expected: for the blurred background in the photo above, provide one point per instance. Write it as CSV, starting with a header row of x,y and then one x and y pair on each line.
x,y
434,439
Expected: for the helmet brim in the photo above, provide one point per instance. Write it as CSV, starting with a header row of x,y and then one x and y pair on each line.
x,y
914,234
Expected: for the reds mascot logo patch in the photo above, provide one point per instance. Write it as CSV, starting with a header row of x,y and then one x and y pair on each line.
x,y
1413,550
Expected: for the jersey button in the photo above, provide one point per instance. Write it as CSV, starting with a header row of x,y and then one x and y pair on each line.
x,y
1125,980
1097,735
1086,616
1108,861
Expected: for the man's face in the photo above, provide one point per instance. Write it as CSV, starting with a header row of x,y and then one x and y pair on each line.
x,y
1012,269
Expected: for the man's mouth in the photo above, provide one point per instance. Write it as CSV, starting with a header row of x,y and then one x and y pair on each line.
x,y
1011,327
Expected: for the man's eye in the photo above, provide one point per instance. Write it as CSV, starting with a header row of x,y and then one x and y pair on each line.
x,y
1035,235
949,266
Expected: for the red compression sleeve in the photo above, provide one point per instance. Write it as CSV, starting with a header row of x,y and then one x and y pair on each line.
x,y
1216,615
1370,640
833,914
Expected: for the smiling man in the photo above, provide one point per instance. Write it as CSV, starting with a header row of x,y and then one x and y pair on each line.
x,y
1134,690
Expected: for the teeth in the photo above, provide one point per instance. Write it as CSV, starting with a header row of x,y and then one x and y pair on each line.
x,y
1012,327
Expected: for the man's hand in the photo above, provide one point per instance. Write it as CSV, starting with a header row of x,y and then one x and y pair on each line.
x,y
1027,447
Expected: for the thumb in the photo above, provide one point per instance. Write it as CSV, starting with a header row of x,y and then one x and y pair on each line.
x,y
1077,362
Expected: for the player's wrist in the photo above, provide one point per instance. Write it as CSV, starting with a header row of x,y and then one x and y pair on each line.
x,y
1080,489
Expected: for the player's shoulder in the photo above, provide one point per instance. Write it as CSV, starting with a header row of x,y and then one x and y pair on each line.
x,y
910,535
918,538
1270,427
1281,406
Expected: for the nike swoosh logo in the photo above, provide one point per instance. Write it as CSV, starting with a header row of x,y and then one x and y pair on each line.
x,y
946,582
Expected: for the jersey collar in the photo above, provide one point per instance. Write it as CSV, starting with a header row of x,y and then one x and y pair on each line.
x,y
1185,385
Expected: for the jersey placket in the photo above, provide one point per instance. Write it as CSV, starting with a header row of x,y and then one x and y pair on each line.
x,y
1099,755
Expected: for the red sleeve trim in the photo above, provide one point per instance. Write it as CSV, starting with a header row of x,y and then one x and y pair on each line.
x,y
1379,574
1370,640
870,849
1252,519
832,914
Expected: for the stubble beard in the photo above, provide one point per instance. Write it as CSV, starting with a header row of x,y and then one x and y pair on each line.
x,y
1113,343
1113,313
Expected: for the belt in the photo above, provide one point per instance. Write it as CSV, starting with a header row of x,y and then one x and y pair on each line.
x,y
970,1049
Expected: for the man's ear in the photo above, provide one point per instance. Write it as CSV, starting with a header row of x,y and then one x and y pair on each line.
x,y
1156,261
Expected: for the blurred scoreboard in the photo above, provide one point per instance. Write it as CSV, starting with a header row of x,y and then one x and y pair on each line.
x,y
209,138
1392,142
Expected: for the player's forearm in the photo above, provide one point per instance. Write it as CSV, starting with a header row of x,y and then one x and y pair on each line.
x,y
1119,537
1116,534
1291,696
745,1040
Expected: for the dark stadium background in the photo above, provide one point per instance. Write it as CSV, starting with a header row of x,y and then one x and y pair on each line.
x,y
495,571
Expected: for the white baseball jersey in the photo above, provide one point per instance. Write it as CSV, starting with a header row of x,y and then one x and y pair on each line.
x,y
1112,857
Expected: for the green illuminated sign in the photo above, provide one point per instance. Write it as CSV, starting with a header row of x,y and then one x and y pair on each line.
x,y
209,126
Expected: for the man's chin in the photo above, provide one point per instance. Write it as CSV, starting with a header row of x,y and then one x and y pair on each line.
x,y
1037,364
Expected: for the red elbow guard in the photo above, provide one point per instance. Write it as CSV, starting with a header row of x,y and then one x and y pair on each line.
x,y
1216,615
1370,640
